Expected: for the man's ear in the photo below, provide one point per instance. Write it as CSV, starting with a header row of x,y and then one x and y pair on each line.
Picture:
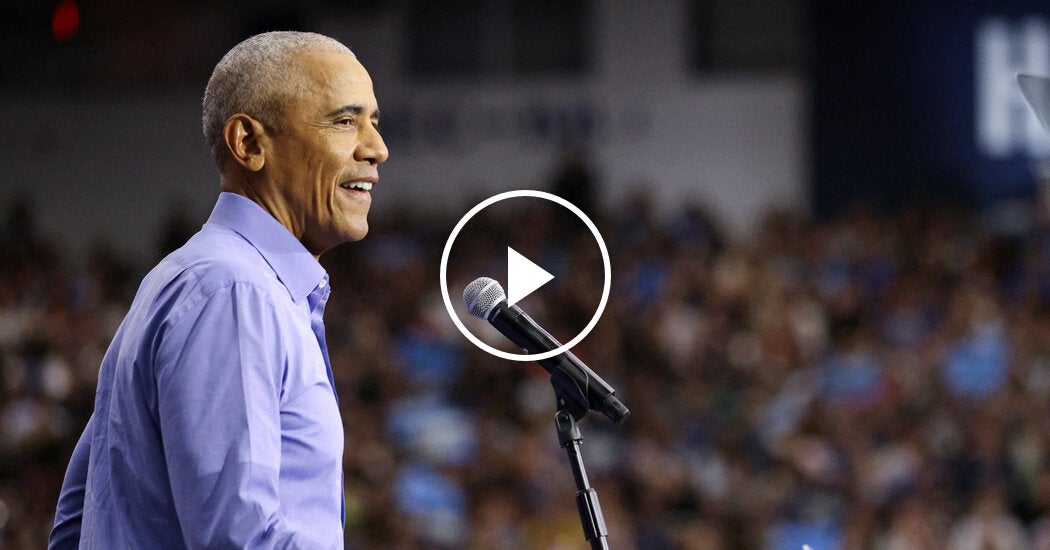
x,y
246,140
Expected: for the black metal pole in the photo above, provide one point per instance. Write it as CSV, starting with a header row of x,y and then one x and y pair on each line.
x,y
591,516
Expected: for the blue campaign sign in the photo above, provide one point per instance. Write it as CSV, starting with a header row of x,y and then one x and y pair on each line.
x,y
919,100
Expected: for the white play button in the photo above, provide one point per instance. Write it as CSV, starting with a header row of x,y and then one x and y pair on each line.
x,y
523,276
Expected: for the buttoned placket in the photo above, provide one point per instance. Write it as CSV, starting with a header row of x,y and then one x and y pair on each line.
x,y
317,300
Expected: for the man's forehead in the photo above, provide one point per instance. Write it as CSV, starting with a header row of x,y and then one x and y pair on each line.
x,y
338,79
326,66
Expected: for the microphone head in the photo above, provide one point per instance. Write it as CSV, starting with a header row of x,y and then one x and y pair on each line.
x,y
482,295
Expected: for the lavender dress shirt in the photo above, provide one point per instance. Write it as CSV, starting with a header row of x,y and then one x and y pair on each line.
x,y
215,421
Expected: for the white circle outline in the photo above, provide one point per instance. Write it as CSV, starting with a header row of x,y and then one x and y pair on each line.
x,y
444,275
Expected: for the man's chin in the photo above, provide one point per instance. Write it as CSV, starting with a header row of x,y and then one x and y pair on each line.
x,y
356,231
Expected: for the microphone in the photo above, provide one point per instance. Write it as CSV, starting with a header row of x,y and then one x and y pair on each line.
x,y
572,379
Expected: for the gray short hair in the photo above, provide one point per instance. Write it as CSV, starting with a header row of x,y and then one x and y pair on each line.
x,y
256,77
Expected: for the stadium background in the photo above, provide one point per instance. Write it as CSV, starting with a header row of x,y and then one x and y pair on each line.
x,y
831,259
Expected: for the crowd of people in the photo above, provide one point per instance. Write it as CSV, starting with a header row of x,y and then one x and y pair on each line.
x,y
868,381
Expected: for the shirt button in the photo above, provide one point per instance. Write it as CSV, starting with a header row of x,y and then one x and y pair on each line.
x,y
323,283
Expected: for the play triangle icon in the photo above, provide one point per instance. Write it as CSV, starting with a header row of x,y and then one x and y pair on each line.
x,y
523,276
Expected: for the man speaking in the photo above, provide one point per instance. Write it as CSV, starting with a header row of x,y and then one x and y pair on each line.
x,y
215,422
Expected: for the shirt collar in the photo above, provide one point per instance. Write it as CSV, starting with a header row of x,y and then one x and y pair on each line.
x,y
293,264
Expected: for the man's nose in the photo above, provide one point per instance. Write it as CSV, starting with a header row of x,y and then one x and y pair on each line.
x,y
372,147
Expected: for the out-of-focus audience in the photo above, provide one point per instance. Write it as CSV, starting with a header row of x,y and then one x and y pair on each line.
x,y
868,382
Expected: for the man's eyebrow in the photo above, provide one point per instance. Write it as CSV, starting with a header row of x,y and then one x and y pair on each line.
x,y
351,110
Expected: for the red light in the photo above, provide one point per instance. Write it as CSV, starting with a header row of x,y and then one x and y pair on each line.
x,y
65,21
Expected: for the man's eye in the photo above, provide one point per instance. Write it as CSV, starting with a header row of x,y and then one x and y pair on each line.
x,y
345,122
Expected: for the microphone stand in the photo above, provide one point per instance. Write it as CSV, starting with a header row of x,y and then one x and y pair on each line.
x,y
569,412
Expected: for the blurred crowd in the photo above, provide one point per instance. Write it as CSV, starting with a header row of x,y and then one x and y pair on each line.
x,y
866,382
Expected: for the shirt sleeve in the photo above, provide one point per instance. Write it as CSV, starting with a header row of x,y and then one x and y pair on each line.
x,y
219,373
65,534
